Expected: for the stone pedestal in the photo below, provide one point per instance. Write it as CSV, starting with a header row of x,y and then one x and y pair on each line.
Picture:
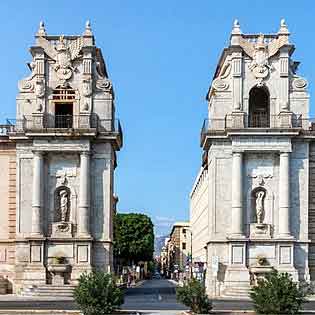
x,y
260,230
236,120
58,273
62,229
84,121
37,121
285,120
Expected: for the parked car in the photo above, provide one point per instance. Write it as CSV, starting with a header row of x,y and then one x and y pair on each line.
x,y
156,275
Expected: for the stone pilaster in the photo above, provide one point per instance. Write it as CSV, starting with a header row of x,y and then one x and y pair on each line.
x,y
237,195
84,197
284,195
38,165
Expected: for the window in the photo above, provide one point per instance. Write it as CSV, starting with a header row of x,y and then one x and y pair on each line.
x,y
63,115
63,94
259,108
184,231
183,245
63,99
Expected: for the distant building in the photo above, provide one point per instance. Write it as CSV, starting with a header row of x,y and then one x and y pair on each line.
x,y
179,248
164,258
252,204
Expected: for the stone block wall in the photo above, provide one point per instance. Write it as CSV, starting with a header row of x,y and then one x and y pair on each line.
x,y
7,214
199,200
311,211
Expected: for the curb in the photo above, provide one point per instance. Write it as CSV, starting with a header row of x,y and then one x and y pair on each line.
x,y
240,312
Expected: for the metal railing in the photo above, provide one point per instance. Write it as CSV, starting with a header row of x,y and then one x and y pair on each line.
x,y
5,129
256,121
47,121
64,123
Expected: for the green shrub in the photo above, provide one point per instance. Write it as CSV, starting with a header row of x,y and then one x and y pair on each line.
x,y
278,294
193,295
97,293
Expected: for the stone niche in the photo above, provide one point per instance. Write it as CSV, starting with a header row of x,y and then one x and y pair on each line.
x,y
261,180
63,187
61,227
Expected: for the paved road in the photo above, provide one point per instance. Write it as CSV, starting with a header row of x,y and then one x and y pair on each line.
x,y
152,295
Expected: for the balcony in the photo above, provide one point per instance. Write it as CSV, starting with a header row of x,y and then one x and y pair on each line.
x,y
5,129
65,125
254,123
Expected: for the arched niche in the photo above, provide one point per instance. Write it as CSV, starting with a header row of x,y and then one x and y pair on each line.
x,y
268,204
259,108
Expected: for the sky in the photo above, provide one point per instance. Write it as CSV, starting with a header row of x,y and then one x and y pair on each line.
x,y
161,56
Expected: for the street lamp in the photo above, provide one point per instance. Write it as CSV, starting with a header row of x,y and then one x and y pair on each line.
x,y
191,257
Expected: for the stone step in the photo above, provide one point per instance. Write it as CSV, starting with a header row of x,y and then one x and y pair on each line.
x,y
47,290
54,293
236,292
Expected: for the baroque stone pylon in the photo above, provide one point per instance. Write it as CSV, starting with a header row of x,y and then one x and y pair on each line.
x,y
63,142
251,204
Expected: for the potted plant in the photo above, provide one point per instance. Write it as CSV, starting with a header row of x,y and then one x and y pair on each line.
x,y
97,293
59,259
277,293
193,294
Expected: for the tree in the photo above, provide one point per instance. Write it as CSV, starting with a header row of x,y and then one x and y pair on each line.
x,y
97,293
278,294
133,237
193,295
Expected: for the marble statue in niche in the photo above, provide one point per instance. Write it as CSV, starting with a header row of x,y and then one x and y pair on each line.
x,y
62,204
259,228
260,206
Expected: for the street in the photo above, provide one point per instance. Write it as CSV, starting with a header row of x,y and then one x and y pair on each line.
x,y
152,295
157,294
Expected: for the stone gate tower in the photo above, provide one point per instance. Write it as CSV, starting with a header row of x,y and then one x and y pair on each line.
x,y
250,202
66,140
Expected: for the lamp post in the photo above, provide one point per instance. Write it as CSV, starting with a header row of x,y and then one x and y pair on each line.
x,y
191,257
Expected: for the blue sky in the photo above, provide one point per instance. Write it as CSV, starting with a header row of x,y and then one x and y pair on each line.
x,y
161,56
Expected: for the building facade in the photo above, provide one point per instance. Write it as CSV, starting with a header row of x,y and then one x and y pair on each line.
x,y
252,203
179,249
59,170
164,258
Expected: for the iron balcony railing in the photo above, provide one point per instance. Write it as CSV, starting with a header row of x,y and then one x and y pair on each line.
x,y
5,129
255,121
64,123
